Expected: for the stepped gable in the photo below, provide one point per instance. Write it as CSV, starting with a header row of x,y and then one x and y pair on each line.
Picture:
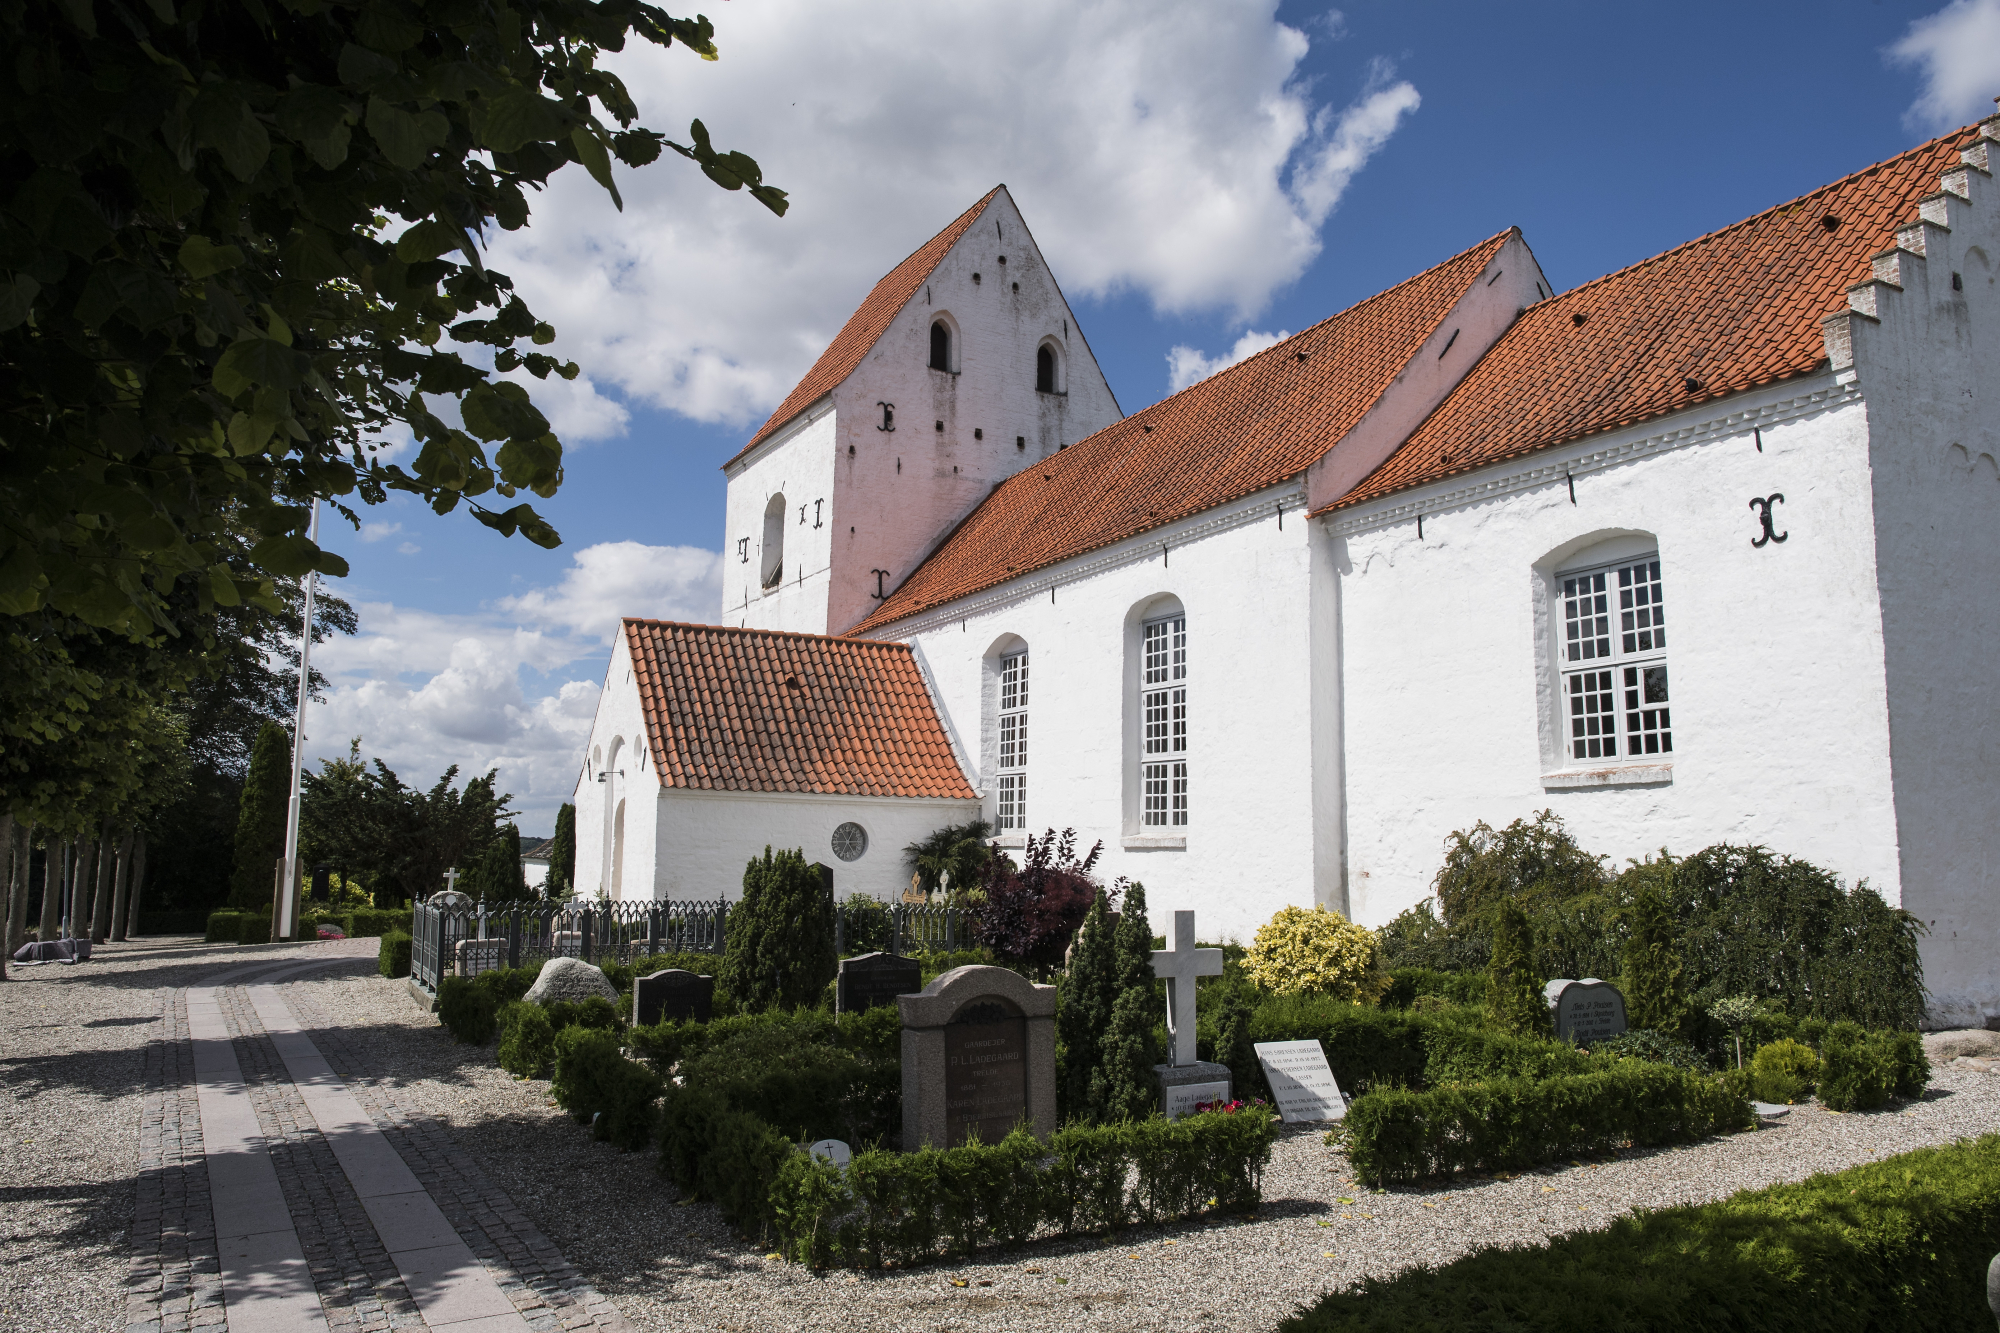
x,y
1259,422
1734,310
759,710
866,325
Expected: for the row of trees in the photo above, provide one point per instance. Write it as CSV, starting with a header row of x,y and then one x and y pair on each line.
x,y
241,242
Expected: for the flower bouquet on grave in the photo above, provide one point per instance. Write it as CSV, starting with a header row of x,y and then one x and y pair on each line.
x,y
1229,1107
330,933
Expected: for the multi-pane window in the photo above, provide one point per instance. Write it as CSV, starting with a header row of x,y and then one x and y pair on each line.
x,y
1013,804
1163,706
1614,650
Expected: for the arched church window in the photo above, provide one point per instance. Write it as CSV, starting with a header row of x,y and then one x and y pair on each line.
x,y
774,541
1614,661
1163,738
940,346
1045,370
1011,810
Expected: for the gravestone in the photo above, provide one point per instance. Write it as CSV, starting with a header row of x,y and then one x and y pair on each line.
x,y
1184,1080
1585,1011
1301,1081
831,1151
979,1057
674,993
570,979
322,889
869,979
477,956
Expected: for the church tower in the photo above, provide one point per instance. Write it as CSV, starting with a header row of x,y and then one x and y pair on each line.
x,y
964,366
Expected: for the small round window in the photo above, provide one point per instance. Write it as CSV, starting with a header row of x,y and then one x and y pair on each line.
x,y
850,841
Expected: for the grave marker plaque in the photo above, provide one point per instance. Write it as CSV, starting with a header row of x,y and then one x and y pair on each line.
x,y
1301,1081
869,979
674,993
979,1057
1586,1011
985,1073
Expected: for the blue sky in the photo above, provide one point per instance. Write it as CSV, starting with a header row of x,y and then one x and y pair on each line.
x,y
1350,147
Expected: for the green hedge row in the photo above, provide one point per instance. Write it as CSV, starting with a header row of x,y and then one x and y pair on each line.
x,y
231,927
1396,1136
238,928
1898,1244
393,958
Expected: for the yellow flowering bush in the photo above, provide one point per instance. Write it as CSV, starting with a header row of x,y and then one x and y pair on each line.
x,y
1319,951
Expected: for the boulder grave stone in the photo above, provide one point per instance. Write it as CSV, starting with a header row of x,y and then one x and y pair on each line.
x,y
979,1057
869,979
570,979
674,993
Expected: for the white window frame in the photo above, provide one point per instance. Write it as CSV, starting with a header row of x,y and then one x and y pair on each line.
x,y
1163,717
1613,695
1011,763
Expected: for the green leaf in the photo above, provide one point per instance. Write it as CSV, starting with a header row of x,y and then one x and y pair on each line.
x,y
536,464
590,151
288,556
315,118
21,582
445,461
203,258
17,298
406,139
249,434
359,67
387,28
224,122
145,298
521,117
256,363
502,411
82,13
222,588
427,240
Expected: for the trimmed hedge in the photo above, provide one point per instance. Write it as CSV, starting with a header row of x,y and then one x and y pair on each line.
x,y
253,928
1407,983
373,921
1394,1136
394,958
594,1081
470,1006
224,928
1901,1244
171,923
528,1031
1861,1070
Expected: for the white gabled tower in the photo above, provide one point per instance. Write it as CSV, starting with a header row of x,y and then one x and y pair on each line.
x,y
880,451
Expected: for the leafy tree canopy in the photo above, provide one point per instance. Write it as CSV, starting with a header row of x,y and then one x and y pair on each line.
x,y
232,240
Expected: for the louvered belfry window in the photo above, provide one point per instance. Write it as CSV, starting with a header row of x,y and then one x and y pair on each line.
x,y
1013,805
1614,656
1163,769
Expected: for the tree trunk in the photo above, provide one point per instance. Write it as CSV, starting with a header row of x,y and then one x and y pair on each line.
x,y
55,877
85,875
138,886
17,907
100,911
12,882
121,886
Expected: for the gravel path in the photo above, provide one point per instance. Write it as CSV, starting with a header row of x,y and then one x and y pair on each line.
x,y
85,1061
667,1265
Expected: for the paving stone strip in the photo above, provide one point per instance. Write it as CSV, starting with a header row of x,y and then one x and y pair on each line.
x,y
174,1276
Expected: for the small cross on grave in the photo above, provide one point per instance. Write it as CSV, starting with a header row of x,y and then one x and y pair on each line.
x,y
1178,967
451,880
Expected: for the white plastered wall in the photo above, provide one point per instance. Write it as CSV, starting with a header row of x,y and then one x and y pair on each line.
x,y
796,463
1927,362
1240,575
619,754
1774,653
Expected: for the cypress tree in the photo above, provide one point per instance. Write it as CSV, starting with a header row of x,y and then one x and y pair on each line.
x,y
779,952
1514,993
562,854
260,820
497,876
1653,995
1125,1085
1089,989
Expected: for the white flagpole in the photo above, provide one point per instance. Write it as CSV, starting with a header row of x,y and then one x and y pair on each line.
x,y
290,895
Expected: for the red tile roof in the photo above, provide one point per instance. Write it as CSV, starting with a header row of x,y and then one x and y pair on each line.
x,y
1736,309
866,325
1261,421
758,710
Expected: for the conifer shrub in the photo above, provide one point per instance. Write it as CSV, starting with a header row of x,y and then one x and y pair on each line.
x,y
1862,1070
1407,984
1514,1000
866,925
1320,951
779,949
467,1010
596,1084
1124,1087
1897,1244
1083,1013
527,1040
1654,997
260,822
1646,1044
393,958
1783,1071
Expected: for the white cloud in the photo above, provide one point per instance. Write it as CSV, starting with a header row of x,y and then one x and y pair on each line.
x,y
375,532
1166,147
577,412
425,690
407,548
1187,365
1957,50
1332,25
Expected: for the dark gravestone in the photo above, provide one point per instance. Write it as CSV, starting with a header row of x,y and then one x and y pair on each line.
x,y
1585,1011
322,882
675,993
985,1072
869,979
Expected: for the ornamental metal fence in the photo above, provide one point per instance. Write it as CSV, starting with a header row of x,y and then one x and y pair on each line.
x,y
466,938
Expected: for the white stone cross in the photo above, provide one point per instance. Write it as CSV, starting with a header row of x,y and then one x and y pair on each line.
x,y
1178,967
451,880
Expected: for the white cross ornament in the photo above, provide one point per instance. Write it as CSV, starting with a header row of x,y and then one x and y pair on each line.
x,y
1178,967
451,879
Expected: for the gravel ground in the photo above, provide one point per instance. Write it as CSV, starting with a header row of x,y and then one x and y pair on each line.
x,y
73,1085
666,1265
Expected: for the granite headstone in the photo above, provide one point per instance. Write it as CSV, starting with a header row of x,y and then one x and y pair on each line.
x,y
979,1057
869,979
1301,1081
675,994
1585,1011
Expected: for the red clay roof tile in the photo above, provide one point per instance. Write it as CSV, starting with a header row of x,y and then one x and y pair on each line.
x,y
1733,310
759,710
1259,422
867,324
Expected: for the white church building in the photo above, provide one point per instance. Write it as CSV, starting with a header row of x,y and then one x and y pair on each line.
x,y
1700,551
